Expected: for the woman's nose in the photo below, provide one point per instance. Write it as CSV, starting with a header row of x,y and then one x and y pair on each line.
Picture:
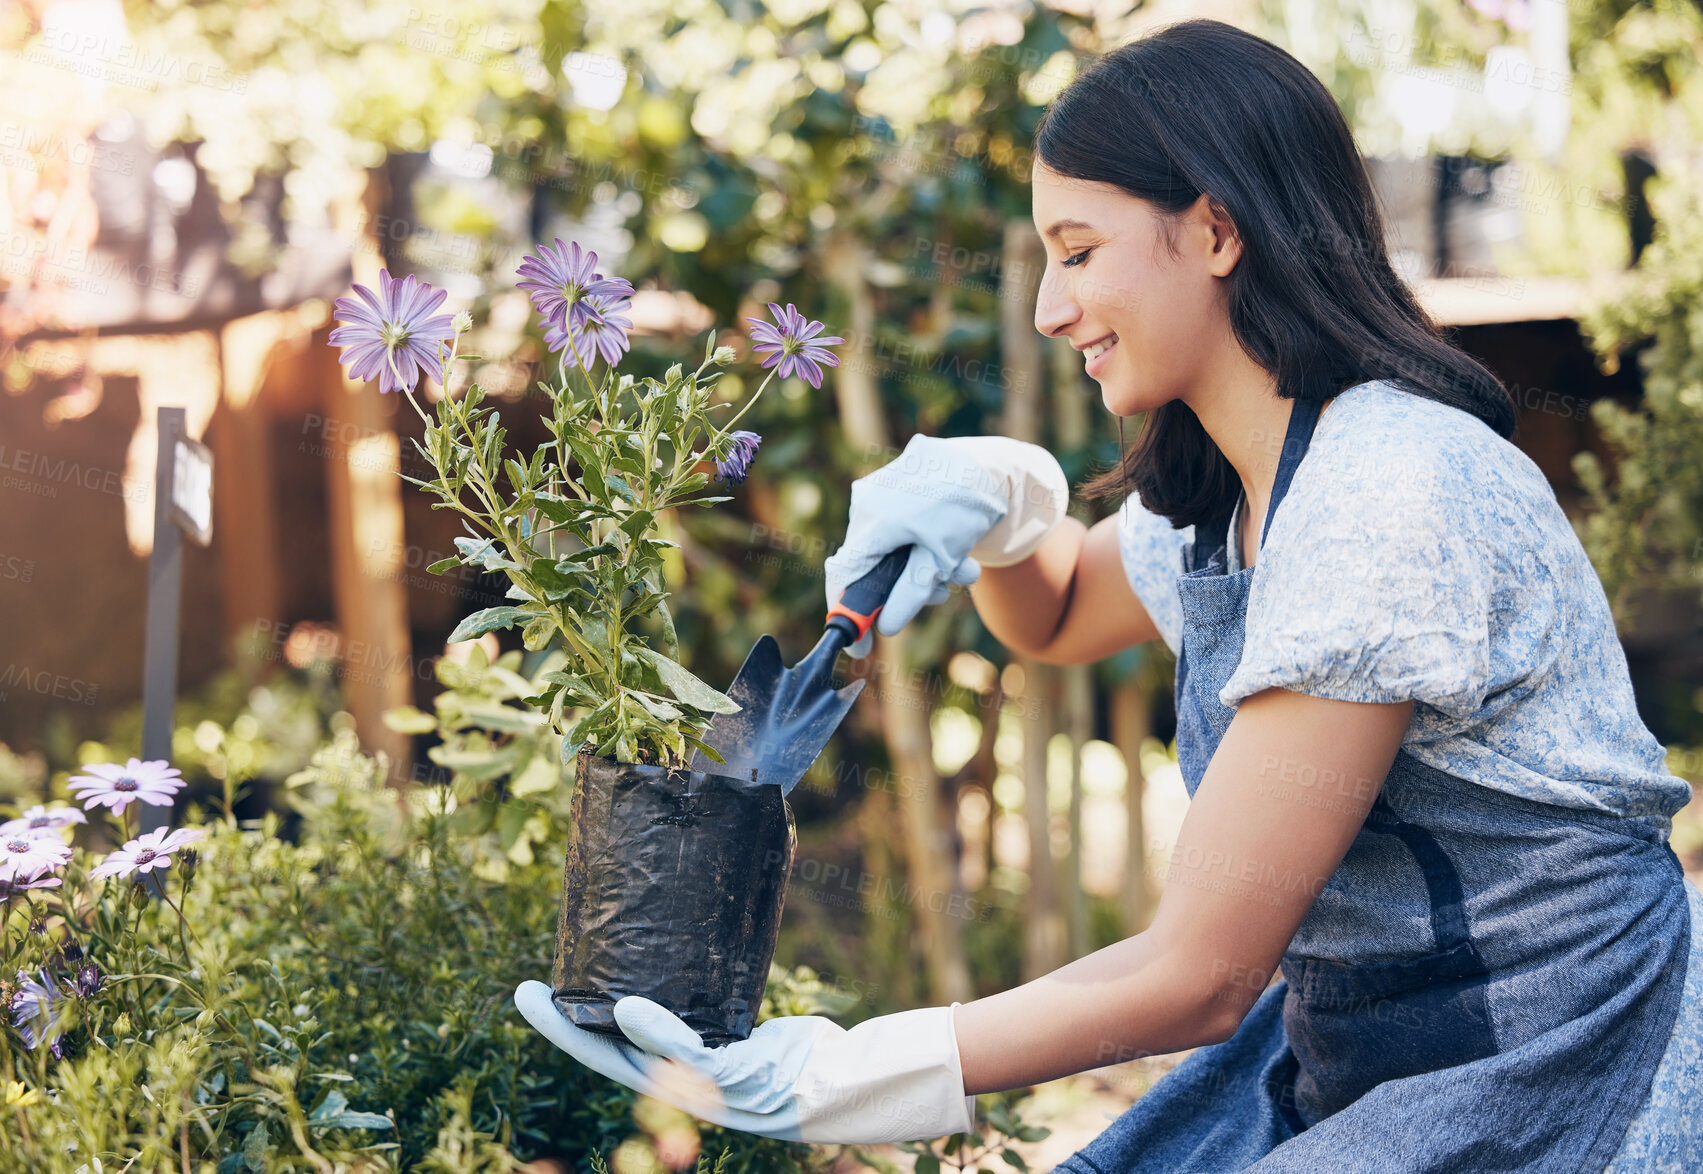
x,y
1055,309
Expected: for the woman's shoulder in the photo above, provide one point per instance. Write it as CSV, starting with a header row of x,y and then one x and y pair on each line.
x,y
1388,465
1387,441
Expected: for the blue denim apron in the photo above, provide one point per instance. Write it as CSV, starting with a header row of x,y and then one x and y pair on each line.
x,y
1486,983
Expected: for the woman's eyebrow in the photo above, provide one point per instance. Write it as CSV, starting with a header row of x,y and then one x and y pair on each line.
x,y
1059,226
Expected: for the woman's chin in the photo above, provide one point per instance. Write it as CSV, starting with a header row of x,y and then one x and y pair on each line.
x,y
1122,400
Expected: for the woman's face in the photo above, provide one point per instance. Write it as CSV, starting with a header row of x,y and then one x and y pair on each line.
x,y
1147,323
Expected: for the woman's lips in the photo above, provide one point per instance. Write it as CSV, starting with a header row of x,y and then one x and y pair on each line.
x,y
1096,362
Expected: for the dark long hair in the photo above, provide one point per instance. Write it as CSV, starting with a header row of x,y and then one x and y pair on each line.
x,y
1202,106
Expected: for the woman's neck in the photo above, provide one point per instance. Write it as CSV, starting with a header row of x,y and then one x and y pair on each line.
x,y
1248,421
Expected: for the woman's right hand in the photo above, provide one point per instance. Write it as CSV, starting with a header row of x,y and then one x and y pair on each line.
x,y
962,502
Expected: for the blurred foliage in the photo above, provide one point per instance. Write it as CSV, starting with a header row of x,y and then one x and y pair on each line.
x,y
341,1000
1643,70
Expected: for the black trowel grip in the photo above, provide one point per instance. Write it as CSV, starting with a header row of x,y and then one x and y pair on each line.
x,y
855,613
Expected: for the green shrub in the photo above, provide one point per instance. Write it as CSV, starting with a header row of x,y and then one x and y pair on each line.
x,y
337,1003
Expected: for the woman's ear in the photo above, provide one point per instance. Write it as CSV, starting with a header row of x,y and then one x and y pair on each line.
x,y
1225,240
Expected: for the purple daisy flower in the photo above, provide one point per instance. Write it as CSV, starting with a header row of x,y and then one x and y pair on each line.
x,y
12,888
563,279
791,341
604,332
40,819
146,852
24,856
734,467
110,785
393,335
35,1009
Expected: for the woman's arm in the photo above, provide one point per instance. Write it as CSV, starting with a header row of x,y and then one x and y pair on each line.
x,y
1068,603
1282,799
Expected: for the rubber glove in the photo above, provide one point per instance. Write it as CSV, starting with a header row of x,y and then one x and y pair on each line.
x,y
965,502
796,1077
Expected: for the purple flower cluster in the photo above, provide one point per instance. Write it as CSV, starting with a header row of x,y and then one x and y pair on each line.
x,y
32,847
577,304
584,315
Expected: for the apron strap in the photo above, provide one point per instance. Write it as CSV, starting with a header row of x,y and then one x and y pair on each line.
x,y
1212,537
1302,418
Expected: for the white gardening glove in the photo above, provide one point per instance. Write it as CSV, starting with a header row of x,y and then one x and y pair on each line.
x,y
965,502
796,1077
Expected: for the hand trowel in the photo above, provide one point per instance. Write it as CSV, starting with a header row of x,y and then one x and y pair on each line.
x,y
787,715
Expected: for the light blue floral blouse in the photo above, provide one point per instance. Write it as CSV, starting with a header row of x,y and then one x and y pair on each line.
x,y
1417,554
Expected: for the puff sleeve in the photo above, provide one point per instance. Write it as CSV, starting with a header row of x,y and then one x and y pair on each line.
x,y
1376,583
1152,554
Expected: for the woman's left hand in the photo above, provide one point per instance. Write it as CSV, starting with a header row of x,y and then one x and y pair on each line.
x,y
797,1077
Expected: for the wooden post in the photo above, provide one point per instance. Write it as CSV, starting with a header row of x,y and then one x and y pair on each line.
x,y
244,491
1045,939
368,546
904,706
165,594
1045,931
1129,728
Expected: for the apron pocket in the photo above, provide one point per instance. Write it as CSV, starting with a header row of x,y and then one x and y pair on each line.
x,y
1354,1027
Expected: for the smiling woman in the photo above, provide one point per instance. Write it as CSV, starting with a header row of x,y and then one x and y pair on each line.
x,y
1419,783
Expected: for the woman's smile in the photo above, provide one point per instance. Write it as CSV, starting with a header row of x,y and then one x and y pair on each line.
x,y
1095,353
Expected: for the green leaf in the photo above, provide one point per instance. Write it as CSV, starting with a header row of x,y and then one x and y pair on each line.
x,y
557,581
442,565
511,821
333,1104
584,725
538,633
670,638
655,706
489,620
590,465
256,1148
483,552
405,719
589,553
636,523
540,775
1014,1159
709,752
928,1164
685,686
517,475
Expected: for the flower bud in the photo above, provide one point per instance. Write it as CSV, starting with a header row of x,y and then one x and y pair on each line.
x,y
675,374
462,322
724,355
88,981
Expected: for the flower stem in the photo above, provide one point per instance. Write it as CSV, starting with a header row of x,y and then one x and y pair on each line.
x,y
728,427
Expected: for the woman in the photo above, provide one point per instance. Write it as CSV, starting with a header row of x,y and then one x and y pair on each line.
x,y
1420,787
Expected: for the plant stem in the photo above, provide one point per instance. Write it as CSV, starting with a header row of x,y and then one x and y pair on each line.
x,y
727,427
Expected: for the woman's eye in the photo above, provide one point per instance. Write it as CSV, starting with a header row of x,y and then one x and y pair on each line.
x,y
1077,259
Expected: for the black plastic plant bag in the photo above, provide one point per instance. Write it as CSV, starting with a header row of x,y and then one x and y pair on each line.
x,y
673,890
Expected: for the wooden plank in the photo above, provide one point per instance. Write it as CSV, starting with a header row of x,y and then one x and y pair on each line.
x,y
1479,301
245,491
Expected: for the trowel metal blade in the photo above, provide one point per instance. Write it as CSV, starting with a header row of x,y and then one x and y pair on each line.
x,y
785,719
